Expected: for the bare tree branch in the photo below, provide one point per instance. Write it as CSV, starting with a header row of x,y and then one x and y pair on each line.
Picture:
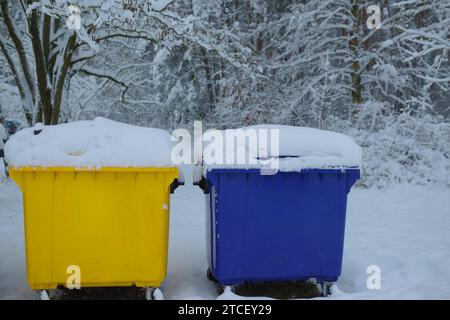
x,y
18,44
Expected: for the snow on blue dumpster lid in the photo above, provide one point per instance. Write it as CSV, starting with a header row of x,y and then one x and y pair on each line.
x,y
299,148
90,144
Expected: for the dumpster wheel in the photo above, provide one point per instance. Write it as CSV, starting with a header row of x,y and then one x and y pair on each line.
x,y
153,293
42,295
325,288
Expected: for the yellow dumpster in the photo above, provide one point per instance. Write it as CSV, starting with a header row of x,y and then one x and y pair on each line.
x,y
110,225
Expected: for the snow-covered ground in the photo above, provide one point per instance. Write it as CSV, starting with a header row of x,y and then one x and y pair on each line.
x,y
404,230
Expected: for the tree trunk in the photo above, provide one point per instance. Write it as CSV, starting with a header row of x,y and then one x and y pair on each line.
x,y
60,86
354,46
209,84
41,69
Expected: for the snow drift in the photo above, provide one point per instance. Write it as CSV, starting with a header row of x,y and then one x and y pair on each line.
x,y
297,148
87,144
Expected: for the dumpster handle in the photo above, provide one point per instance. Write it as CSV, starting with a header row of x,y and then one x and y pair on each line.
x,y
203,184
175,184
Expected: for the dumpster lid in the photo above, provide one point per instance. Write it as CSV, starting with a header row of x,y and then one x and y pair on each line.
x,y
91,144
293,148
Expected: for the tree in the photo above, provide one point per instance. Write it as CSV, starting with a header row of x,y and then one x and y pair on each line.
x,y
42,52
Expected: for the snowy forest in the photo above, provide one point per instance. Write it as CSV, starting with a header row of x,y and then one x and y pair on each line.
x,y
231,63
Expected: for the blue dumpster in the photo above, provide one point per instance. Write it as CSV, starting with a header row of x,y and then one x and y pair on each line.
x,y
286,226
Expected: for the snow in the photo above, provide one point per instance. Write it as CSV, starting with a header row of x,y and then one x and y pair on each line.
x,y
38,127
13,279
402,229
158,295
97,143
305,142
298,148
3,136
160,5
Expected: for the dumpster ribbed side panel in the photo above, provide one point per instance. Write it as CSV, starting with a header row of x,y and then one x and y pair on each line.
x,y
112,224
287,226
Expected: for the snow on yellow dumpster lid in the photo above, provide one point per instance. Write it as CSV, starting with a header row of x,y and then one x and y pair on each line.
x,y
90,144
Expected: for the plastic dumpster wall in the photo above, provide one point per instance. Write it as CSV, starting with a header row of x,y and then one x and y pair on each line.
x,y
111,222
287,226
